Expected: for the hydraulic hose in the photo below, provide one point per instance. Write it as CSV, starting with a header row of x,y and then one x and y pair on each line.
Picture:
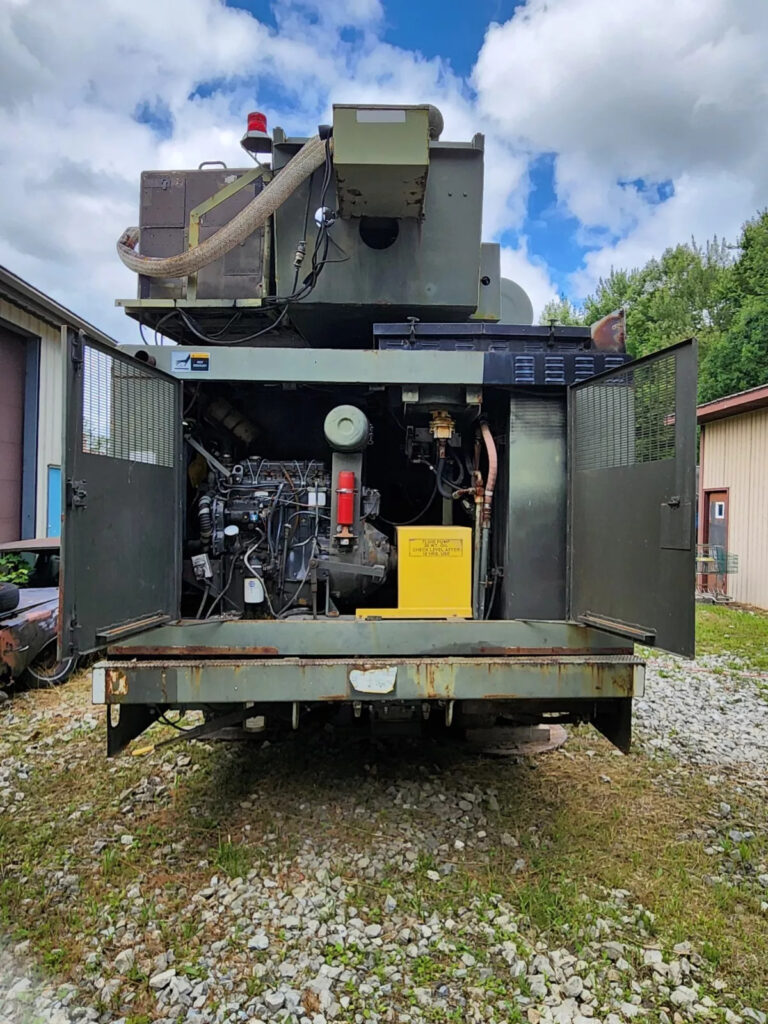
x,y
253,216
493,469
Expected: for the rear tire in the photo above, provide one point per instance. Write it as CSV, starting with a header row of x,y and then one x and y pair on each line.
x,y
9,597
47,671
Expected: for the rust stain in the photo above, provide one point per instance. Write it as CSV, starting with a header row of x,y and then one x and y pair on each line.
x,y
551,651
431,680
197,651
195,677
116,683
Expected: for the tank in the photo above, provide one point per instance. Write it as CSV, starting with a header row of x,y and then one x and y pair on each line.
x,y
350,487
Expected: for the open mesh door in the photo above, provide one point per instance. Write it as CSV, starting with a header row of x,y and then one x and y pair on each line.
x,y
632,454
122,478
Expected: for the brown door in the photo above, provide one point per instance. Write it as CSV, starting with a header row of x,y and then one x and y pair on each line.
x,y
12,378
716,532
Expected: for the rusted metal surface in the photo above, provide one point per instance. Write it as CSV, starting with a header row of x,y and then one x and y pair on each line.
x,y
117,683
368,638
552,651
132,626
27,629
193,651
321,679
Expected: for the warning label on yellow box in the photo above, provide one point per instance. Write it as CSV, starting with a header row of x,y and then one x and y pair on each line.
x,y
435,547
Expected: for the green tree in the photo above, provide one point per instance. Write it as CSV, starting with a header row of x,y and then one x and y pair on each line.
x,y
562,312
737,358
677,296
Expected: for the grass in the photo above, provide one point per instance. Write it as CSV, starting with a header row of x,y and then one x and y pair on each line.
x,y
721,629
234,859
579,838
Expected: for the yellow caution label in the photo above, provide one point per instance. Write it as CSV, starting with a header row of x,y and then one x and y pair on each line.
x,y
435,547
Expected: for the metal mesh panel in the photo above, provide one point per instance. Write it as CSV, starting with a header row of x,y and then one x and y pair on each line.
x,y
127,412
628,419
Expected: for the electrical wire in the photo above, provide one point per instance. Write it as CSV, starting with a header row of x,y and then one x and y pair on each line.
x,y
206,592
424,511
213,339
228,584
322,240
492,598
160,323
174,725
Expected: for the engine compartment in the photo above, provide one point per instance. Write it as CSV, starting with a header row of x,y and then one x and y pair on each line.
x,y
294,494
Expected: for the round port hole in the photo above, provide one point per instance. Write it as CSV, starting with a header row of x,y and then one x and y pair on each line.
x,y
379,232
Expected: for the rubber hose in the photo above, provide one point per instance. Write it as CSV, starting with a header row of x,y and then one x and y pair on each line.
x,y
249,219
493,467
445,492
205,519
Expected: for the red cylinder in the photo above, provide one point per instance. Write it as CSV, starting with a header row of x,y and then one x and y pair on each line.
x,y
257,122
345,504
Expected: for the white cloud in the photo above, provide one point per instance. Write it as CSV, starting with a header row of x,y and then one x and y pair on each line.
x,y
714,204
73,151
659,90
530,273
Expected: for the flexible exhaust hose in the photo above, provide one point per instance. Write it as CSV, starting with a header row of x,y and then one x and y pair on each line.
x,y
253,216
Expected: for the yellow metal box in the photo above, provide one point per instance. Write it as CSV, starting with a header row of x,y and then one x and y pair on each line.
x,y
434,574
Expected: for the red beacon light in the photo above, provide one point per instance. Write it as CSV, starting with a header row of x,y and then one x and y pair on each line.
x,y
256,139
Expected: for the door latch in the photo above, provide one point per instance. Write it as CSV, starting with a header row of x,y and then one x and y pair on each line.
x,y
76,494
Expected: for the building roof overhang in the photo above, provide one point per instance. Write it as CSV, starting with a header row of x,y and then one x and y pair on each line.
x,y
732,405
26,297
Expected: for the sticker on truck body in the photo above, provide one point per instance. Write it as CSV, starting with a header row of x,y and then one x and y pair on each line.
x,y
190,362
373,680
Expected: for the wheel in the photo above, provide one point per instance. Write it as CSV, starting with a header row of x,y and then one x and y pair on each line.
x,y
46,669
9,597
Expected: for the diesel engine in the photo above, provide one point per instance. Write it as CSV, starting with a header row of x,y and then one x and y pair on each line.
x,y
283,537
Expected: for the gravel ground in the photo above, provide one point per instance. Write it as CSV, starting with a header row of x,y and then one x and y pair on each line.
x,y
712,711
373,898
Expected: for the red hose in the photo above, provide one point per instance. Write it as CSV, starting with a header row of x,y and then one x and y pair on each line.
x,y
493,468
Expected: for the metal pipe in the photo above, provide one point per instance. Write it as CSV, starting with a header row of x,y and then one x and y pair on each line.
x,y
477,539
483,580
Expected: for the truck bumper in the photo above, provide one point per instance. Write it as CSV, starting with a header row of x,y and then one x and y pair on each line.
x,y
200,682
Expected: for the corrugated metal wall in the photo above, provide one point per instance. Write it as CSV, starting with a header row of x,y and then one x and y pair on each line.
x,y
736,458
50,401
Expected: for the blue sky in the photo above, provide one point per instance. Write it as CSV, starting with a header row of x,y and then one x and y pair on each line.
x,y
613,129
437,28
434,29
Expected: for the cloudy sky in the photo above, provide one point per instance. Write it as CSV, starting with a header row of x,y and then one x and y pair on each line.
x,y
613,129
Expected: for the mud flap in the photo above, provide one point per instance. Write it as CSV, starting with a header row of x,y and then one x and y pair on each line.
x,y
133,720
613,718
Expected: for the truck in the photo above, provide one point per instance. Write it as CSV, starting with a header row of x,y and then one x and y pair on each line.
x,y
357,481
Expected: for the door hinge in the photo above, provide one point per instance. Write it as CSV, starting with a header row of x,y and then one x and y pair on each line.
x,y
73,629
77,494
76,349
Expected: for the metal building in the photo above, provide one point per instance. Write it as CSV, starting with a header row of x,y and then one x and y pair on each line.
x,y
733,488
31,348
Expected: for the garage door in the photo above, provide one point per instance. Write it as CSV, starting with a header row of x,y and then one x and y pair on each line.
x,y
12,376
